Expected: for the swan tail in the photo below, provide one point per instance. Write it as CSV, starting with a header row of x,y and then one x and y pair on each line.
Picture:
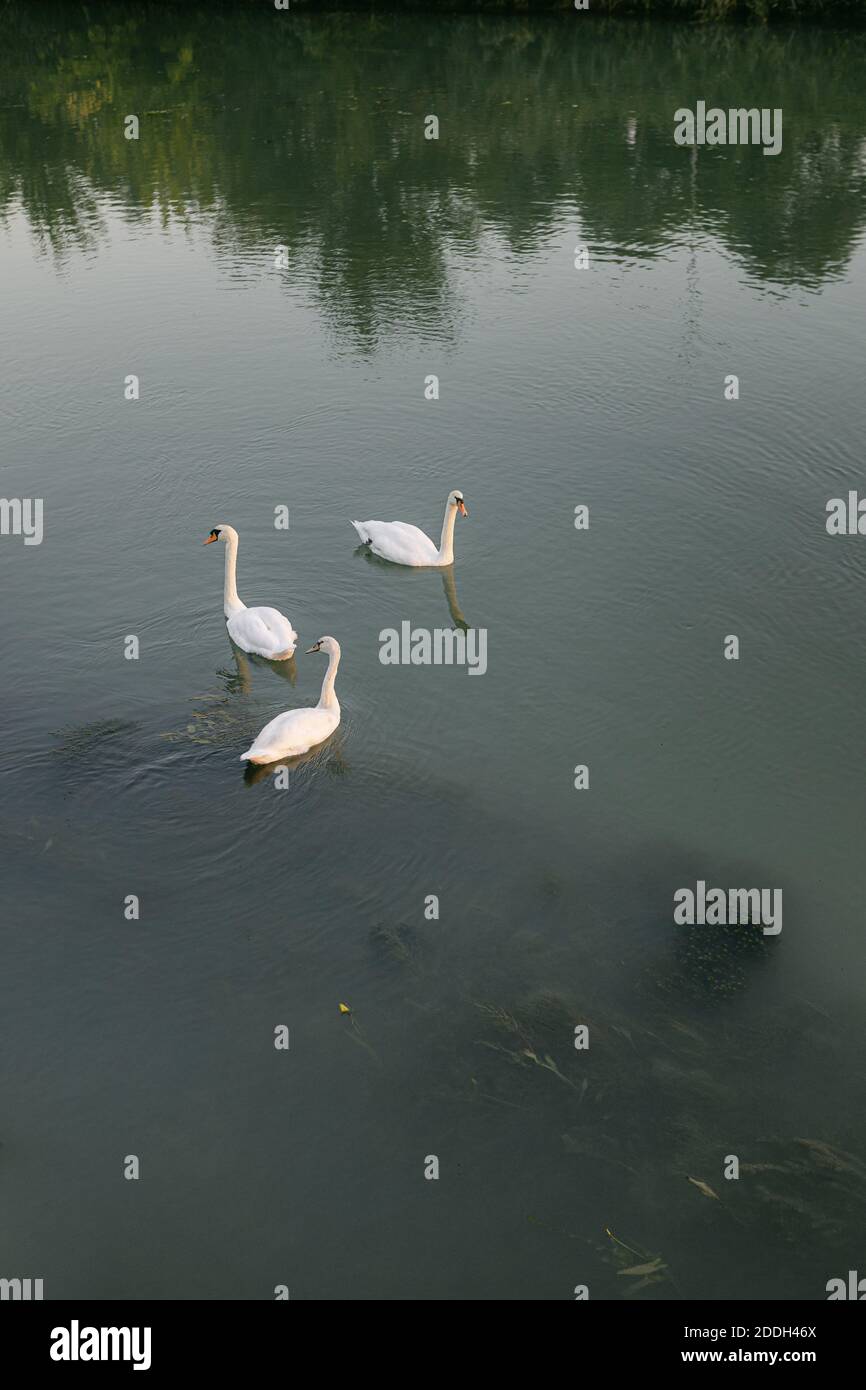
x,y
362,532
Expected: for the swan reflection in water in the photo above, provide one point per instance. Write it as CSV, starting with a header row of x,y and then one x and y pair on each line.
x,y
329,756
286,669
449,583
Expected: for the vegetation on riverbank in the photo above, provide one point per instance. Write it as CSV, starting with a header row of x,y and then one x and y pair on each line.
x,y
706,11
762,11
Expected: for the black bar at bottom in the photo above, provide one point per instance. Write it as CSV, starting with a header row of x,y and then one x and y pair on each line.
x,y
163,1338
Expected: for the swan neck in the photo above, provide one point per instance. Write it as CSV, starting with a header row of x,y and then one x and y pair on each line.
x,y
231,602
446,544
328,699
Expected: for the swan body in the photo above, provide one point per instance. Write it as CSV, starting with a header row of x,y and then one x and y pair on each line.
x,y
298,730
260,631
403,544
264,632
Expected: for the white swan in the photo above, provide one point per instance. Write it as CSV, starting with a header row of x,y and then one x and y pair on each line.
x,y
298,730
262,631
403,544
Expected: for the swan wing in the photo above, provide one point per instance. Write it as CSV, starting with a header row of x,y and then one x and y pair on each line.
x,y
263,631
398,541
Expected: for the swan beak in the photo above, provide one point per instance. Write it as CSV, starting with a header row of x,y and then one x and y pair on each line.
x,y
209,541
461,507
316,648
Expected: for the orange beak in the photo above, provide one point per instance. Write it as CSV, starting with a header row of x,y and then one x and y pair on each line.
x,y
461,507
210,540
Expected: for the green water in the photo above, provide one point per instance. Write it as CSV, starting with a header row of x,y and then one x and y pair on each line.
x,y
303,387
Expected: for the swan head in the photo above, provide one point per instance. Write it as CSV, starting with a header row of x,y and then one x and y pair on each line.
x,y
220,533
326,644
455,499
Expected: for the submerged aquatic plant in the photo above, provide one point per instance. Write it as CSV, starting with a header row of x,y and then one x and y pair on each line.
x,y
648,1271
